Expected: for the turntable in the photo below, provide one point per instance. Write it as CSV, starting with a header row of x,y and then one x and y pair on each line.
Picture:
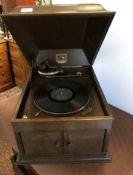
x,y
62,115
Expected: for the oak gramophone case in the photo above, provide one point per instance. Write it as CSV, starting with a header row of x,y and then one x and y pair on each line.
x,y
62,114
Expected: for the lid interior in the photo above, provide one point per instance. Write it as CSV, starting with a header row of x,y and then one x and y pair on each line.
x,y
41,31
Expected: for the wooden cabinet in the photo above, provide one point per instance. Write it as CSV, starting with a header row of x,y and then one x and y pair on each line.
x,y
71,142
45,135
5,73
20,65
61,145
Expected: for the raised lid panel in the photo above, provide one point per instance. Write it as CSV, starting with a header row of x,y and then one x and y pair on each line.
x,y
60,29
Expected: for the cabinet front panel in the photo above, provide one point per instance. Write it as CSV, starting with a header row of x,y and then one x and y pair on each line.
x,y
4,80
41,143
3,47
17,60
15,51
3,57
19,64
83,142
5,73
19,72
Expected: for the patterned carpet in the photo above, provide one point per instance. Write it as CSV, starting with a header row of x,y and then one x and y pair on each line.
x,y
9,93
120,147
8,100
5,154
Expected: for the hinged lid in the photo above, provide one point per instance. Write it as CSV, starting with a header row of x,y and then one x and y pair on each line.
x,y
38,28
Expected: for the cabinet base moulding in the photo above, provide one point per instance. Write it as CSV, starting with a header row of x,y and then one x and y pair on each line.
x,y
96,158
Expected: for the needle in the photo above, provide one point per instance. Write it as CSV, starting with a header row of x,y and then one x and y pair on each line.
x,y
37,113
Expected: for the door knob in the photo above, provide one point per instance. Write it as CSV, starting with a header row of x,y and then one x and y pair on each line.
x,y
57,144
68,142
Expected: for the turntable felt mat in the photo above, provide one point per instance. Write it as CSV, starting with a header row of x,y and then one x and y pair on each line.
x,y
121,147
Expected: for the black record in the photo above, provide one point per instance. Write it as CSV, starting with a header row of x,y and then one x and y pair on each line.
x,y
61,97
